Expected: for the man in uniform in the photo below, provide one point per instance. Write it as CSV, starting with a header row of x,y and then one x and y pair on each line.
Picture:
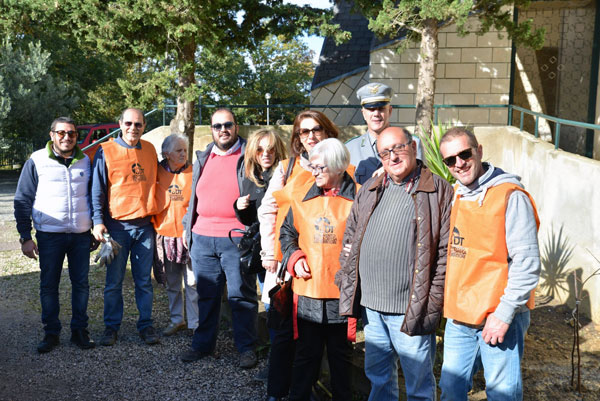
x,y
375,100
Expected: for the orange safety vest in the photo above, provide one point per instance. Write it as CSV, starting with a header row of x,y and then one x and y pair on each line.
x,y
131,180
297,185
477,267
320,223
173,194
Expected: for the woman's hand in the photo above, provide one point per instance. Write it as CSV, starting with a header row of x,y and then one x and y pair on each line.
x,y
378,172
243,202
270,265
301,269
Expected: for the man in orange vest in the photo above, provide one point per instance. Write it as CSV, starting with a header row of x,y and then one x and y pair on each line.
x,y
492,271
123,202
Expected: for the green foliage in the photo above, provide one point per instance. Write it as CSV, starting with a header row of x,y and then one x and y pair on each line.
x,y
30,97
277,66
433,156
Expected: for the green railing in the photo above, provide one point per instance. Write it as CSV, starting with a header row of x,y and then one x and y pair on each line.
x,y
511,108
558,121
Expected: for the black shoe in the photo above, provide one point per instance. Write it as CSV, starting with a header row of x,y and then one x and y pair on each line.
x,y
262,375
48,343
271,398
81,338
109,337
149,335
193,356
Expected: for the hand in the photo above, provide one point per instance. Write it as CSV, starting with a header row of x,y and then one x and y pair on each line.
x,y
185,245
243,202
494,330
30,249
301,269
378,172
270,265
98,231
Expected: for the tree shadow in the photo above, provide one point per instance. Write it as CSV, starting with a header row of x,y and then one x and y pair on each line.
x,y
557,253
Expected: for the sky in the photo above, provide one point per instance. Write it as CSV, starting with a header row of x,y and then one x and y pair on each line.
x,y
314,42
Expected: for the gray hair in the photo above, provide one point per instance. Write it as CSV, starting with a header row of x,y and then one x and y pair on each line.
x,y
171,141
334,153
66,120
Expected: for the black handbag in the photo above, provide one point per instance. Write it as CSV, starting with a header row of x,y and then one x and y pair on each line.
x,y
281,300
249,246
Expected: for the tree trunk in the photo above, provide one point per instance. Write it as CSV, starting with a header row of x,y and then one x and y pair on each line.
x,y
183,122
426,83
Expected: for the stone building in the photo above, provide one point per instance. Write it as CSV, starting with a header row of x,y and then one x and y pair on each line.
x,y
559,80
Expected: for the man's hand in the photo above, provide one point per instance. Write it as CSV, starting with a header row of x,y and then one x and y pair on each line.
x,y
301,269
30,249
270,265
494,330
98,231
243,202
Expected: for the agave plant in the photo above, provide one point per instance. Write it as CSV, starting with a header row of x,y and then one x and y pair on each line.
x,y
431,149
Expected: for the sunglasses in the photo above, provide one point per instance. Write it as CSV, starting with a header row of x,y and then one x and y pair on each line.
x,y
61,133
218,126
130,123
316,130
465,155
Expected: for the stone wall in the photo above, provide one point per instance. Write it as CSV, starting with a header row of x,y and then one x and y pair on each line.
x,y
471,70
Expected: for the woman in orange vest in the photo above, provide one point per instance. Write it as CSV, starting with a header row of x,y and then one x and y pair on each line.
x,y
311,242
171,261
309,128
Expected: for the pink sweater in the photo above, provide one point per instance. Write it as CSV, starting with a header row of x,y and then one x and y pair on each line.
x,y
216,191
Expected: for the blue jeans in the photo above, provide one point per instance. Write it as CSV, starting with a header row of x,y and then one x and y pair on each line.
x,y
465,351
52,250
214,260
140,243
385,345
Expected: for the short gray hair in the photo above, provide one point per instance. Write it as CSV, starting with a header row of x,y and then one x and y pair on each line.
x,y
334,153
169,143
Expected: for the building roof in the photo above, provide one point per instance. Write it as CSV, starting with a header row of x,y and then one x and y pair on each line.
x,y
352,57
348,58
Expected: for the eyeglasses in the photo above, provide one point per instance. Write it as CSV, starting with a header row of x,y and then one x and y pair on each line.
x,y
316,130
260,151
61,134
130,123
227,125
396,149
317,169
465,155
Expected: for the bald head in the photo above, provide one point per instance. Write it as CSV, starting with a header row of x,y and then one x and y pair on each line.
x,y
398,152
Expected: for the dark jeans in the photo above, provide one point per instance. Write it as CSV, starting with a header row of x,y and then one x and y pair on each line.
x,y
281,358
214,261
52,248
138,245
312,337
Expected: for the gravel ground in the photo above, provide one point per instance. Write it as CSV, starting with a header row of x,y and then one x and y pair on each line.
x,y
130,370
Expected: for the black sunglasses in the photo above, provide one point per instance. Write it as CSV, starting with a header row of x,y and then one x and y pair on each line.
x,y
218,126
466,154
61,133
136,125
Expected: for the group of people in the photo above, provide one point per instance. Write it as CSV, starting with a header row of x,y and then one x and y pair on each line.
x,y
364,230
